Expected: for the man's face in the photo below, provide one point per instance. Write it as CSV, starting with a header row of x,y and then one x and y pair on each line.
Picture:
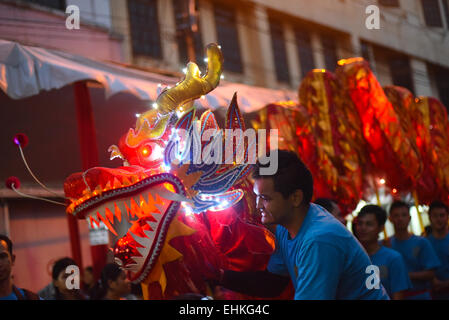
x,y
121,286
61,282
439,219
6,261
400,218
273,207
88,277
367,228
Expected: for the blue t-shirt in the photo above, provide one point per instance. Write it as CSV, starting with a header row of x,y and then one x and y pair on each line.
x,y
324,260
441,247
393,272
12,295
418,255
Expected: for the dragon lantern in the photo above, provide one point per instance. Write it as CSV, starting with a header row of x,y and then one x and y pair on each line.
x,y
177,216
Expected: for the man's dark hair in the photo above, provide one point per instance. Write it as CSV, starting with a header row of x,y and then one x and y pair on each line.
x,y
61,265
438,205
292,175
380,214
8,242
327,204
398,204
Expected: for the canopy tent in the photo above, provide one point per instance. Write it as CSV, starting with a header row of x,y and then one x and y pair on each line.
x,y
26,70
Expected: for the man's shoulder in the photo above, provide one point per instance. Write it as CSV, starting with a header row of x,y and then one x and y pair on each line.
x,y
390,254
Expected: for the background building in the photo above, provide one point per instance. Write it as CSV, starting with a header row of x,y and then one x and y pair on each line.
x,y
266,43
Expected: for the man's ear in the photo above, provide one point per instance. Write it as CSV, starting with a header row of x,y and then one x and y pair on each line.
x,y
297,198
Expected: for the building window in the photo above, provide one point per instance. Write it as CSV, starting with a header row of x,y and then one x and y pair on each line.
x,y
401,72
187,26
279,51
432,14
329,52
442,81
55,4
227,36
389,3
305,51
446,12
144,26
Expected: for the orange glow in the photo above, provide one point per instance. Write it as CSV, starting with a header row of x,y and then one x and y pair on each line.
x,y
343,62
394,191
145,151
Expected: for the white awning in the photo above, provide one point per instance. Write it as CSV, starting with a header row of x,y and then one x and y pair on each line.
x,y
26,70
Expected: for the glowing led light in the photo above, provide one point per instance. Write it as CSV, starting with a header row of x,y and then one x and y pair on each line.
x,y
203,97
155,106
394,191
382,181
145,151
159,85
157,152
206,59
222,76
184,70
137,115
219,47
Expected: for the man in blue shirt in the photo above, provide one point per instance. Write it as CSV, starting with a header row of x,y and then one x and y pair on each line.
x,y
419,256
7,289
393,273
439,215
320,256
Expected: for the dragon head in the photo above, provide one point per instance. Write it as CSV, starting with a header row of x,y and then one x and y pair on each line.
x,y
144,202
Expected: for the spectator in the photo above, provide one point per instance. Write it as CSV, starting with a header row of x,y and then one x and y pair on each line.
x,y
113,284
332,208
419,256
439,215
314,250
8,291
88,281
393,273
57,289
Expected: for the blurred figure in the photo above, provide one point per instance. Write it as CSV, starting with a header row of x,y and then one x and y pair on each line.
x,y
57,289
8,291
393,273
113,284
332,208
88,281
439,238
419,255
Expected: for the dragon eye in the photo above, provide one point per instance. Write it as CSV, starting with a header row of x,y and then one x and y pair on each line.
x,y
146,151
151,151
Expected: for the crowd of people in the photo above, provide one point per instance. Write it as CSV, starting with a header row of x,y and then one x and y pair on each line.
x,y
315,252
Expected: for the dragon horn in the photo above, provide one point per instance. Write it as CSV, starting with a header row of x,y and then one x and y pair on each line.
x,y
193,86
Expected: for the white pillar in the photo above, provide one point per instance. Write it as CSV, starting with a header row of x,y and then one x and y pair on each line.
x,y
421,78
120,25
207,23
266,51
292,55
318,53
167,27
